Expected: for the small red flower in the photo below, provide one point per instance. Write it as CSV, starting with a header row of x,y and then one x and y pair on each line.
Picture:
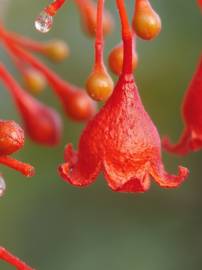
x,y
191,139
6,256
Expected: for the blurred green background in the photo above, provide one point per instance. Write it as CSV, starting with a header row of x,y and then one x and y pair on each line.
x,y
53,225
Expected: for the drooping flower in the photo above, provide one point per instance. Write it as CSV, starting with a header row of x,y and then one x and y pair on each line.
x,y
8,257
41,122
191,138
121,140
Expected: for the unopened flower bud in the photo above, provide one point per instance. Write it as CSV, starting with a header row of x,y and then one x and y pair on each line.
x,y
11,137
116,59
56,50
34,81
99,85
146,22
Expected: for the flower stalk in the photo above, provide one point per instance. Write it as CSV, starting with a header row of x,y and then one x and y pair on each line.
x,y
8,257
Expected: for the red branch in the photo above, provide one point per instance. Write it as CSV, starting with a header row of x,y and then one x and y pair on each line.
x,y
6,256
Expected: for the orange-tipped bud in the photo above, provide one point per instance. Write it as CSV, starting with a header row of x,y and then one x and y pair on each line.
x,y
146,22
34,81
56,50
99,85
115,59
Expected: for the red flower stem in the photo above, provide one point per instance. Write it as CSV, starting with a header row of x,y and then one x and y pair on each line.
x,y
14,89
20,65
17,165
99,41
126,37
59,86
25,42
54,7
13,260
21,40
85,6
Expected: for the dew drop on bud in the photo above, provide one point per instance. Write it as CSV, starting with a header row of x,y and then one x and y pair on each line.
x,y
2,186
44,22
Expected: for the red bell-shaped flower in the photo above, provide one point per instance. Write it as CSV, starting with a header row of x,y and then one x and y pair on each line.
x,y
122,142
121,139
191,139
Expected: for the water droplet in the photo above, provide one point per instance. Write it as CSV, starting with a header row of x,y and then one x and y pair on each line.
x,y
2,186
44,22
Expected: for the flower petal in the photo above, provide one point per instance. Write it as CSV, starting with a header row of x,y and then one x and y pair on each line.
x,y
78,170
180,148
165,179
189,141
123,178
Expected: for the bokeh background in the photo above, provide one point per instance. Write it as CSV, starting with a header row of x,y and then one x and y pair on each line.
x,y
53,225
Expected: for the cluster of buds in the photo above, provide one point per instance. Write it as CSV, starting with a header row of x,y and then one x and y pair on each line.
x,y
75,101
